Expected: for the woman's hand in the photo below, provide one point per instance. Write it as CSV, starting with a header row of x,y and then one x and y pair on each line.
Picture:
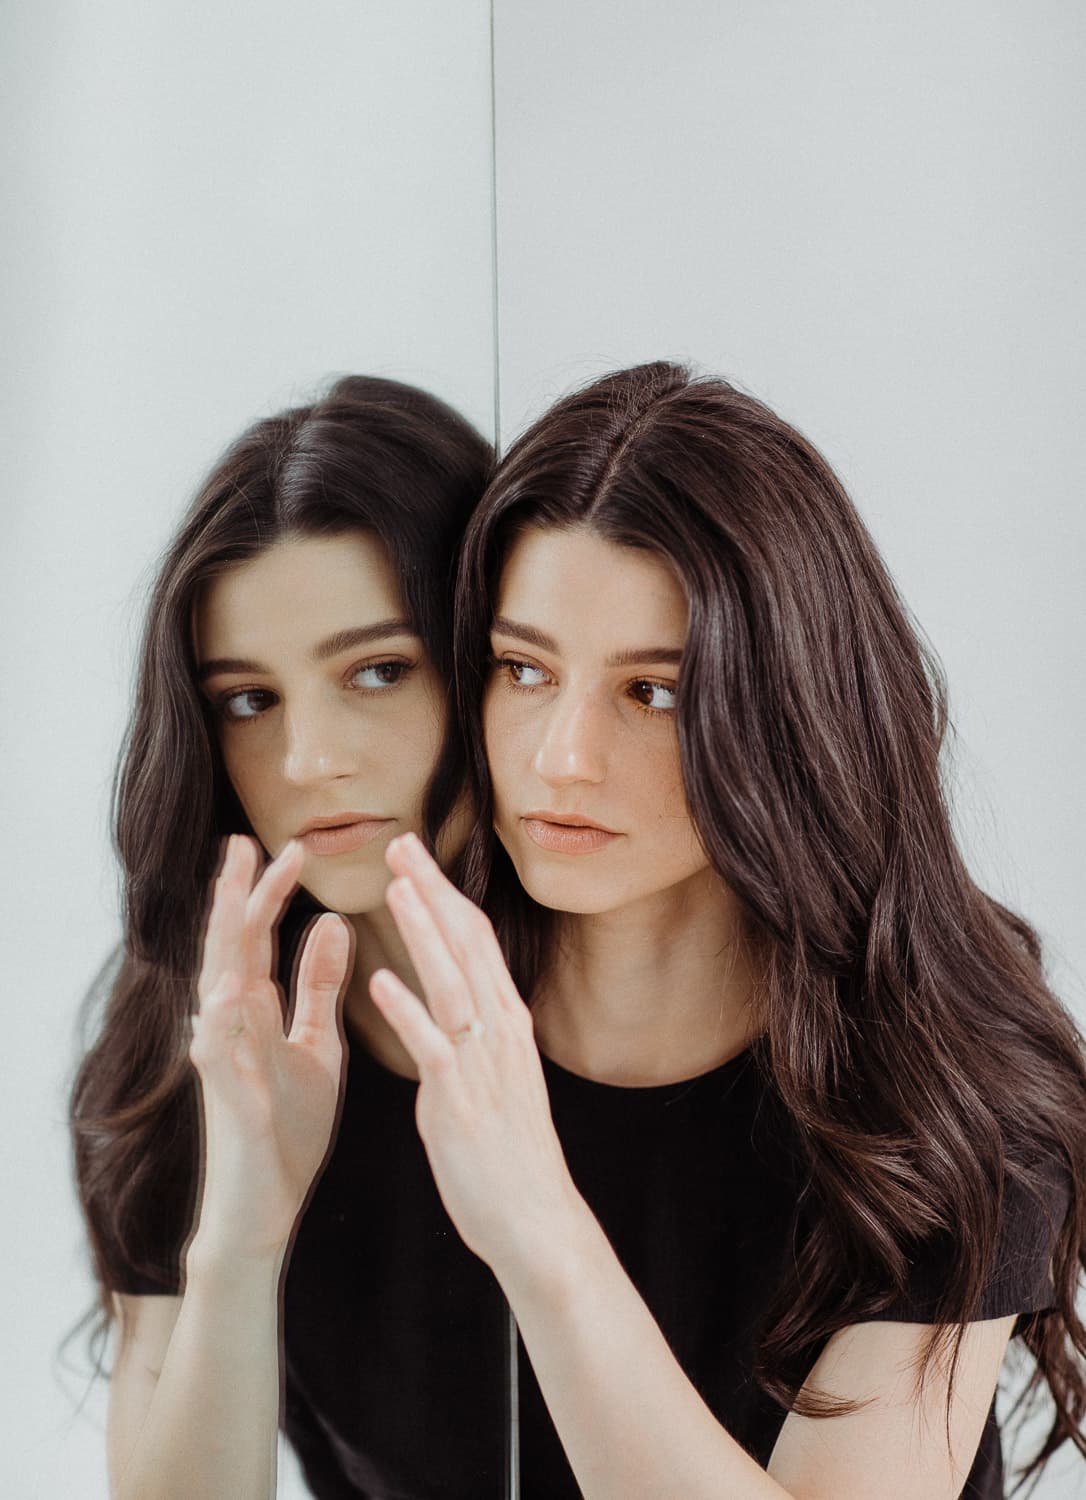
x,y
483,1111
269,1097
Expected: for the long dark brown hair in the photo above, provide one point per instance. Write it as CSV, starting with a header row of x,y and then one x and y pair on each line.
x,y
372,454
907,1029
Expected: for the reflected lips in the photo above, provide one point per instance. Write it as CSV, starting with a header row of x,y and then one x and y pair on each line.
x,y
340,835
577,837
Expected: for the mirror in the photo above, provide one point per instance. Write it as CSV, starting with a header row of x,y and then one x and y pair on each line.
x,y
860,215
217,209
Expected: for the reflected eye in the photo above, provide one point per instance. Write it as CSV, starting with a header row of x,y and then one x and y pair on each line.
x,y
657,696
377,675
246,705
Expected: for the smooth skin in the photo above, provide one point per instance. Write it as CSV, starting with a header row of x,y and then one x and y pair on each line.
x,y
562,736
326,703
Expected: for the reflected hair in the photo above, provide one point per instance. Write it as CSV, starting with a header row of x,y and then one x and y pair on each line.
x,y
906,1026
373,455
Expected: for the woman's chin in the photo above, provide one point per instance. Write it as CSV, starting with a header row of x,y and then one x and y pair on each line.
x,y
578,892
350,894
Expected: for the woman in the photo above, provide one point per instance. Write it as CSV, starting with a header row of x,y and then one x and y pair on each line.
x,y
293,686
790,1139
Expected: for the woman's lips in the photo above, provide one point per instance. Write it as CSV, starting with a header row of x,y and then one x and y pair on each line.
x,y
566,838
341,838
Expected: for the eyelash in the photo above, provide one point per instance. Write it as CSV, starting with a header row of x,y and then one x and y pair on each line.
x,y
223,702
510,662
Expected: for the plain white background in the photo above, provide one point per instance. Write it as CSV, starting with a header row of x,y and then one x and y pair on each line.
x,y
869,216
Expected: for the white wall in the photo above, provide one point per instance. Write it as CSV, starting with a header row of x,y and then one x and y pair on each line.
x,y
872,217
208,209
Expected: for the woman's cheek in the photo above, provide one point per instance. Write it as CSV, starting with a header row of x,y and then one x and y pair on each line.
x,y
497,735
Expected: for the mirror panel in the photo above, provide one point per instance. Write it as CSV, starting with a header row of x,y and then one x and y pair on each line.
x,y
218,208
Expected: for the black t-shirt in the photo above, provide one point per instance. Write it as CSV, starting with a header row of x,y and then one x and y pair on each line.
x,y
394,1332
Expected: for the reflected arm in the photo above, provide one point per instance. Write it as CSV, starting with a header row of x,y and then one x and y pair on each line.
x,y
194,1400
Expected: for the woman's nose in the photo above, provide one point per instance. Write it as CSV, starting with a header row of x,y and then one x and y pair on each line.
x,y
574,743
316,749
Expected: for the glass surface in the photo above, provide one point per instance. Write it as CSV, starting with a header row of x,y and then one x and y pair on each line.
x,y
211,210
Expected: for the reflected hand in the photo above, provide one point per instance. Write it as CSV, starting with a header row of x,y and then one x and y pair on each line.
x,y
483,1111
269,1096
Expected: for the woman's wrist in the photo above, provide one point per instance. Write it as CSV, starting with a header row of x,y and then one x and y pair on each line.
x,y
215,1259
547,1266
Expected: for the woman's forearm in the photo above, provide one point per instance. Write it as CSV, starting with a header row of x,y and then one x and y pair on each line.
x,y
211,1428
632,1425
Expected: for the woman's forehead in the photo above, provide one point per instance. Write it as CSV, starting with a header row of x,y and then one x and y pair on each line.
x,y
301,590
579,587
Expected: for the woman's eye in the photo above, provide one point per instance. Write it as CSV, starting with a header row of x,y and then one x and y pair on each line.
x,y
381,674
655,695
245,705
522,673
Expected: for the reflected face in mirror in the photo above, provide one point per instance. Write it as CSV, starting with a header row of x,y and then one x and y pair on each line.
x,y
330,715
579,720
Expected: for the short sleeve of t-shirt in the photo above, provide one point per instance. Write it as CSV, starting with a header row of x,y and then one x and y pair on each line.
x,y
135,1283
1031,1215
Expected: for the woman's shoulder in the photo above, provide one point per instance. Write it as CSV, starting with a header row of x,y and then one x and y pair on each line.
x,y
1030,1206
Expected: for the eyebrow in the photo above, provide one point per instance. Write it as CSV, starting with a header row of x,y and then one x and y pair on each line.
x,y
332,645
532,637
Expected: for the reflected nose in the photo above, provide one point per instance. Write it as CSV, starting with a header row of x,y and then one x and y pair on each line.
x,y
574,746
316,748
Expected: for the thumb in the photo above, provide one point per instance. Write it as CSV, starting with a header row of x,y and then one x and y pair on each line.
x,y
322,974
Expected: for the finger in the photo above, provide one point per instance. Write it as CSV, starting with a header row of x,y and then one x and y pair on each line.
x,y
467,930
430,1049
265,904
219,1027
321,975
224,939
451,999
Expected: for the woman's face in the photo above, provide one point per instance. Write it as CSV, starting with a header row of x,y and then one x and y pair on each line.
x,y
330,714
579,720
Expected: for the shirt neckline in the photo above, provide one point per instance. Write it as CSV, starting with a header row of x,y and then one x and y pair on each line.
x,y
645,1090
572,1080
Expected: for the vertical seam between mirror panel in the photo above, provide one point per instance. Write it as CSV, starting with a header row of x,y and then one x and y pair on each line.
x,y
510,1332
495,305
512,1414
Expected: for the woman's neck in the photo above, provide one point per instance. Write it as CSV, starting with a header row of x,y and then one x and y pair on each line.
x,y
653,992
378,946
